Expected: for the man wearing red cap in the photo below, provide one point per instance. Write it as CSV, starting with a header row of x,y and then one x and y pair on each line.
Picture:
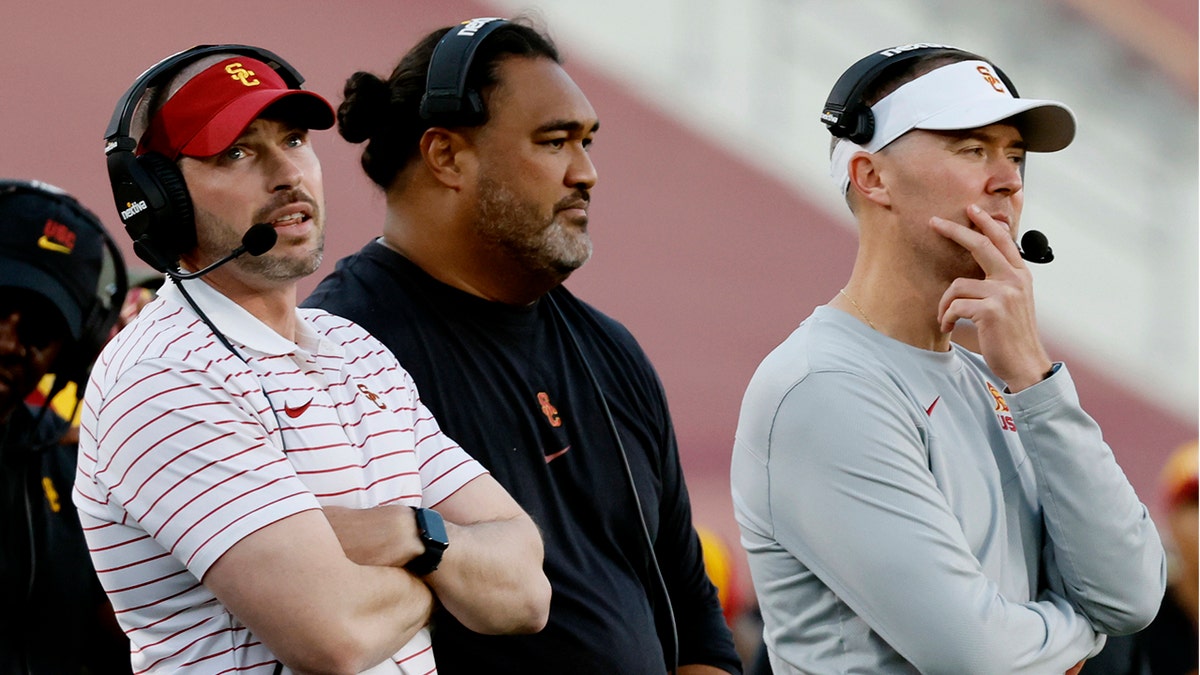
x,y
257,482
211,109
908,505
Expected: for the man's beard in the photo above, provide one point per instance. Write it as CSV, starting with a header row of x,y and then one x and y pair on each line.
x,y
522,232
220,238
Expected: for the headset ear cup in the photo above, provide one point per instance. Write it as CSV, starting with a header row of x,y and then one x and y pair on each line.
x,y
864,127
172,231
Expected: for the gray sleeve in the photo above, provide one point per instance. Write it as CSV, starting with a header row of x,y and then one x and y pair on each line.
x,y
851,496
1106,551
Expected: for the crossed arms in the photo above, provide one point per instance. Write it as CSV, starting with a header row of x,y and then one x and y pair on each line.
x,y
326,590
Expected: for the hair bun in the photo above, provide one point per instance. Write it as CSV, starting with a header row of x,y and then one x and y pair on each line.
x,y
364,108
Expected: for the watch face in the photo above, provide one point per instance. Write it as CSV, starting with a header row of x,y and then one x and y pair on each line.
x,y
433,526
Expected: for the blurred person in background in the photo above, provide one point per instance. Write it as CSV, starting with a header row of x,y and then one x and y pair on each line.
x,y
143,284
1169,645
55,312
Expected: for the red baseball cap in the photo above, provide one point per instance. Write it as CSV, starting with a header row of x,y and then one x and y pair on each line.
x,y
213,108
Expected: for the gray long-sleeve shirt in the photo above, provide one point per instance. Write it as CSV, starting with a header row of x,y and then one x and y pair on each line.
x,y
903,514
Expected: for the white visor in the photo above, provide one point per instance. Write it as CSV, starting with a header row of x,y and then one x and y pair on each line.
x,y
963,95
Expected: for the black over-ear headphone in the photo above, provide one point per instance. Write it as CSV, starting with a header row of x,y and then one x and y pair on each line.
x,y
74,361
447,100
846,113
151,195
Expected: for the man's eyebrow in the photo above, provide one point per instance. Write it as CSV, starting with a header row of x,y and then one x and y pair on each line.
x,y
571,126
978,135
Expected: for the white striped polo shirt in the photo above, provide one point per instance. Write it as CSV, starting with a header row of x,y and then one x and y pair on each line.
x,y
185,449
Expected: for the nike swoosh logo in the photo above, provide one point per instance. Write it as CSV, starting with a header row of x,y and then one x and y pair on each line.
x,y
296,412
929,410
50,245
560,453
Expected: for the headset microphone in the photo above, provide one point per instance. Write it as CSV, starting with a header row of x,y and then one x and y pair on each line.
x,y
1035,248
259,239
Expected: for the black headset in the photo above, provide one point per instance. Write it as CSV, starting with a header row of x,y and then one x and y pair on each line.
x,y
151,195
75,361
447,100
846,113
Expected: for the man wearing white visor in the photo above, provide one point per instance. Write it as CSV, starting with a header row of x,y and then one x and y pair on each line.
x,y
908,505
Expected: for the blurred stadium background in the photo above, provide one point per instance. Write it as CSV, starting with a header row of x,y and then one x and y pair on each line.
x,y
715,224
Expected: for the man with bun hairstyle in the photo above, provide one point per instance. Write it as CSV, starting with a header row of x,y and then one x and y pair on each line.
x,y
486,218
261,485
908,505
55,619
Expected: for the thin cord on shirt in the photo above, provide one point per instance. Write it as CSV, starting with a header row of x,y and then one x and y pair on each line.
x,y
612,427
208,322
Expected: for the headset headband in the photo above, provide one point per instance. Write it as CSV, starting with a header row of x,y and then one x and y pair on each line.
x,y
847,115
446,95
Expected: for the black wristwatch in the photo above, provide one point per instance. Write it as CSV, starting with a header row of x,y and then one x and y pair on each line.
x,y
432,530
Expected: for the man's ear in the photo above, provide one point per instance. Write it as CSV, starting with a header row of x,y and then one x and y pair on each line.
x,y
446,154
866,179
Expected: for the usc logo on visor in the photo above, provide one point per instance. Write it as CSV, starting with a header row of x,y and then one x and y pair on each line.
x,y
991,79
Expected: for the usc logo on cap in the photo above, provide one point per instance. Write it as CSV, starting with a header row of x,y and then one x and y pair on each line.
x,y
57,237
237,72
991,79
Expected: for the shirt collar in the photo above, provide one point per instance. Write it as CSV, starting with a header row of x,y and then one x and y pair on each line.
x,y
233,320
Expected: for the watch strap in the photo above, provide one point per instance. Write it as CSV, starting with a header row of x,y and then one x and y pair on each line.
x,y
432,531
